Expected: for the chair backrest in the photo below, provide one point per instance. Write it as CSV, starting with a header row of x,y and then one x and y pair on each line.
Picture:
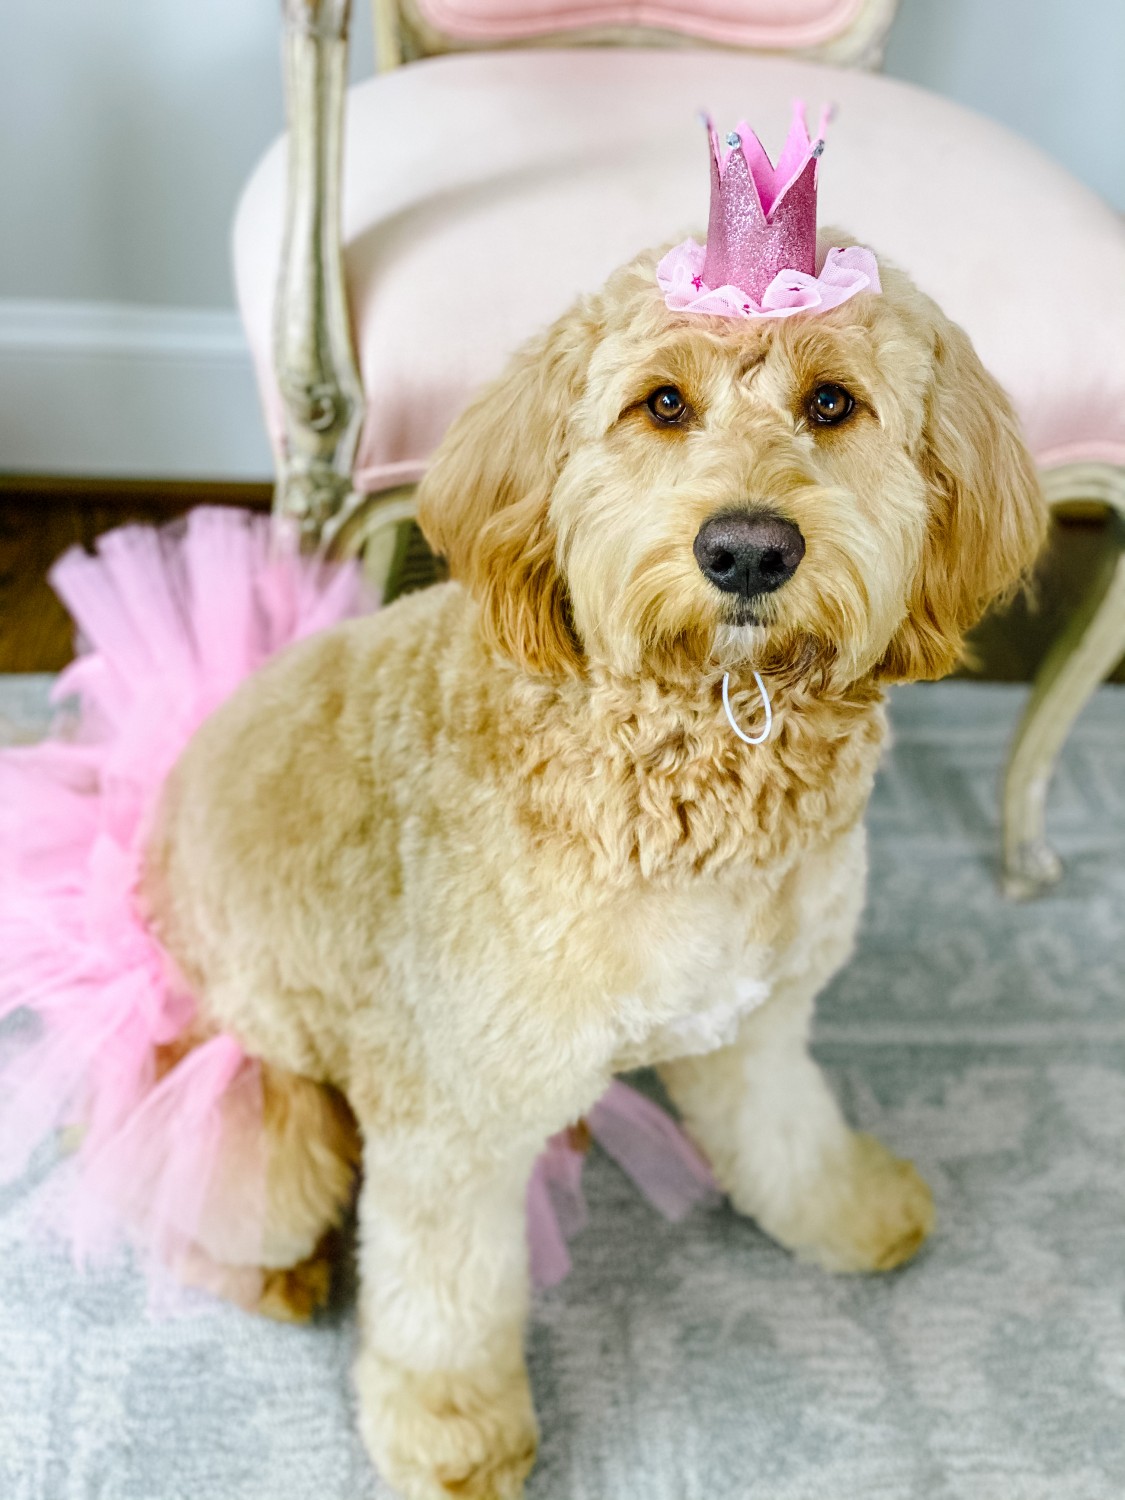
x,y
848,32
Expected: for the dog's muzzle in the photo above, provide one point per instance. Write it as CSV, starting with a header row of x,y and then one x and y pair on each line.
x,y
748,552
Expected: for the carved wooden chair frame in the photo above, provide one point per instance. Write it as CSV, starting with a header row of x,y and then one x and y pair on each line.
x,y
323,395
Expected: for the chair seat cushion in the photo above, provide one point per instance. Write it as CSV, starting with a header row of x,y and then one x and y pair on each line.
x,y
483,191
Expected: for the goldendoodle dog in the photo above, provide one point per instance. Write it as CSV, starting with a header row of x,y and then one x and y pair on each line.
x,y
459,862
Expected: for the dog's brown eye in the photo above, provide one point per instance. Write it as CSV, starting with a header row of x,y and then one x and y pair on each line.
x,y
830,404
667,405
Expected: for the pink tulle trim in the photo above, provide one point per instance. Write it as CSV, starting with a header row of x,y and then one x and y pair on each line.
x,y
172,622
844,273
645,1142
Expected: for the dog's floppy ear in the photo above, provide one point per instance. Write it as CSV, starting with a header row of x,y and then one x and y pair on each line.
x,y
987,516
484,504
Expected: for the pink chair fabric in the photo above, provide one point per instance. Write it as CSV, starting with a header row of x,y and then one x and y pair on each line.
x,y
483,191
780,24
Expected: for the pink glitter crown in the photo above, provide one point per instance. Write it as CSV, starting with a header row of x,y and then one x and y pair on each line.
x,y
763,218
760,258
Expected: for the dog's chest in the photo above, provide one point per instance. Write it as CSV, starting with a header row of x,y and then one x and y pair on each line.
x,y
709,959
712,1025
700,971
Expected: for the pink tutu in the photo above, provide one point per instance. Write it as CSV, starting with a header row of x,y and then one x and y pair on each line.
x,y
171,622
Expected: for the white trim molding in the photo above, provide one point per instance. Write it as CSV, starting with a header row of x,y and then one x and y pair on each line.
x,y
110,389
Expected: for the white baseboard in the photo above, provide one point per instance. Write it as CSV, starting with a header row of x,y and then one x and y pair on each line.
x,y
108,389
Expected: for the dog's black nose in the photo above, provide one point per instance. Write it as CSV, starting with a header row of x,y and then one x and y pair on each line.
x,y
748,552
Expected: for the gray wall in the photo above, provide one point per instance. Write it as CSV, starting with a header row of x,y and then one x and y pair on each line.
x,y
1054,70
127,128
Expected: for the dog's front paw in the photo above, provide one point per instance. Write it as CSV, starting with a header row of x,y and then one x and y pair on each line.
x,y
870,1211
442,1434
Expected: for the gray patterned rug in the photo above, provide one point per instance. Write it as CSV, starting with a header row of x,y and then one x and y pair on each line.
x,y
698,1362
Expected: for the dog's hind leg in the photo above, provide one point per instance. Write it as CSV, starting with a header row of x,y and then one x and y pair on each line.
x,y
282,1184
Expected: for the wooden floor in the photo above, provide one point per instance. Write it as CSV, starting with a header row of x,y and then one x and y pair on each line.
x,y
41,518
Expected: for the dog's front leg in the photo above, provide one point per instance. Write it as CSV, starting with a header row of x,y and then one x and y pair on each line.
x,y
764,1114
445,1406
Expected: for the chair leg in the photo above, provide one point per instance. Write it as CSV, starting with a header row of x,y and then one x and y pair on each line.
x,y
1085,654
313,356
381,529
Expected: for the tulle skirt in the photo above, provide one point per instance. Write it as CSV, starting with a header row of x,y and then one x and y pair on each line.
x,y
170,622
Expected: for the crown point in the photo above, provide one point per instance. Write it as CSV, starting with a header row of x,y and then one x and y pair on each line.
x,y
763,215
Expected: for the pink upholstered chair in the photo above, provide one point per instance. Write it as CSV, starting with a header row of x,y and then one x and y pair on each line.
x,y
482,189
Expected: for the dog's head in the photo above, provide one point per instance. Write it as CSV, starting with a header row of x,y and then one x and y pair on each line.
x,y
844,492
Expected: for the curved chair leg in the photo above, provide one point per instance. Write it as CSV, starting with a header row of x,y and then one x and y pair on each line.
x,y
313,356
1088,650
381,528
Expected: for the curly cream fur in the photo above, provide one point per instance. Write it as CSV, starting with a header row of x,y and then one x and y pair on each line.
x,y
463,860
